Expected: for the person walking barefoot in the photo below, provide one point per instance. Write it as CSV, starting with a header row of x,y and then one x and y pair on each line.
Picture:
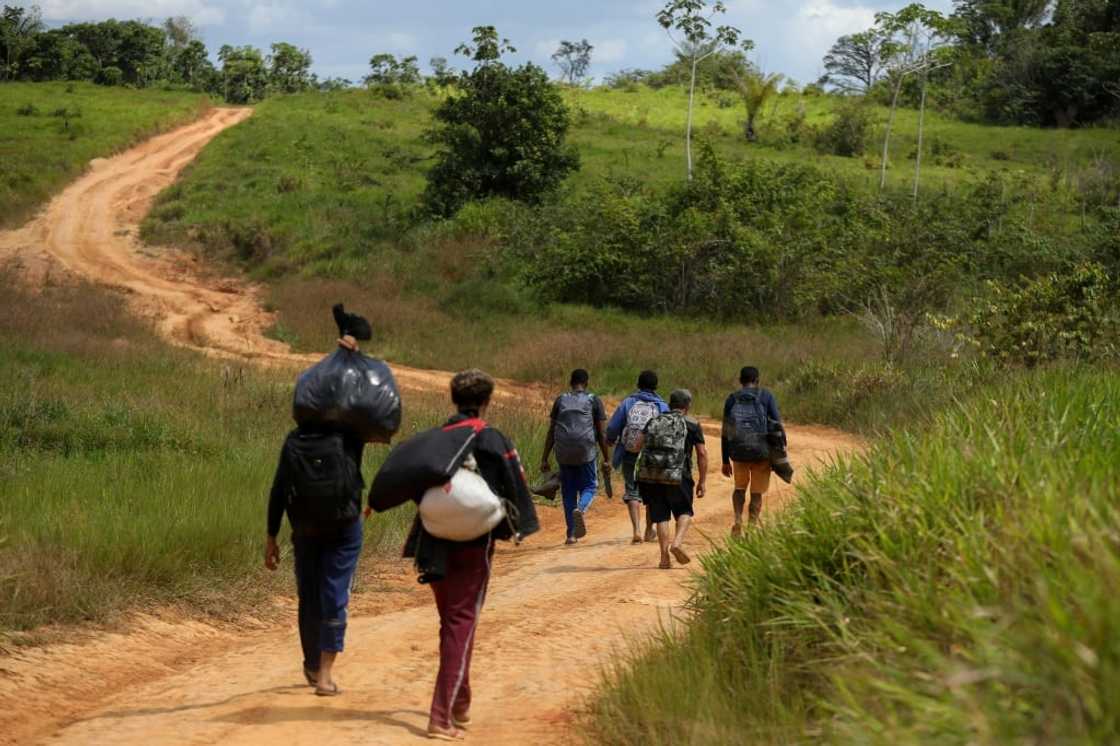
x,y
624,432
665,475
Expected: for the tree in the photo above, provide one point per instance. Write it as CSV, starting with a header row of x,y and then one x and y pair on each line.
x,y
385,69
244,75
756,88
18,29
502,134
689,24
180,32
985,23
289,68
442,74
901,51
191,64
931,34
855,62
574,60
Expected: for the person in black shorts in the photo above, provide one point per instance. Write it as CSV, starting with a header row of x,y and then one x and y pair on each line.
x,y
666,502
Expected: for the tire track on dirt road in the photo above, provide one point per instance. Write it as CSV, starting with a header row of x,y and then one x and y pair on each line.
x,y
555,614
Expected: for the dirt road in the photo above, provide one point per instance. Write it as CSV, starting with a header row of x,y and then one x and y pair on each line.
x,y
555,614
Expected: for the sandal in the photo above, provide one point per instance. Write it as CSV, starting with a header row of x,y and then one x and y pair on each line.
x,y
312,677
334,691
461,721
651,534
666,563
636,540
681,555
579,524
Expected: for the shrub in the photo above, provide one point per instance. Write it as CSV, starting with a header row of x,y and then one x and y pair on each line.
x,y
849,131
502,135
1059,315
110,76
27,110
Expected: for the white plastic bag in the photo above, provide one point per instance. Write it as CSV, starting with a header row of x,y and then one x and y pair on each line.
x,y
463,509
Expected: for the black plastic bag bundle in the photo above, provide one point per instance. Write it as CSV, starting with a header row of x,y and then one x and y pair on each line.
x,y
779,454
349,391
547,486
426,460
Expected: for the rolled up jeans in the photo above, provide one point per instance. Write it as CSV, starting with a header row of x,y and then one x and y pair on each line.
x,y
629,476
325,563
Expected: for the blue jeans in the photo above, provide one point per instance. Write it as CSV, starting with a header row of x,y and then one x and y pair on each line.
x,y
578,485
325,567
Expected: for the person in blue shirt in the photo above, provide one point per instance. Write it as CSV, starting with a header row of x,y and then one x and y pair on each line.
x,y
624,433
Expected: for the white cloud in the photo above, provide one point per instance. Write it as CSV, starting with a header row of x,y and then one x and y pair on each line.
x,y
203,13
609,51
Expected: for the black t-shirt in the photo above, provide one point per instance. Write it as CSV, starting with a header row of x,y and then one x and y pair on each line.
x,y
694,438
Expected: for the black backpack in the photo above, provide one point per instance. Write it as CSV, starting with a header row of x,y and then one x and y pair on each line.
x,y
747,427
324,482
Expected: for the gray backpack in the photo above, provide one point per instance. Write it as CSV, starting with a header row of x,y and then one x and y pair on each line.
x,y
574,436
664,451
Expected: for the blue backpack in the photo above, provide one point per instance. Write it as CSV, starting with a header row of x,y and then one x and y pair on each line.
x,y
747,426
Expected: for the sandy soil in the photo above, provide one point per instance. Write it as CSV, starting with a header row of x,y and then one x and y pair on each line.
x,y
554,617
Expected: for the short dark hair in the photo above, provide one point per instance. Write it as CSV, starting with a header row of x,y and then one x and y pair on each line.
x,y
680,399
647,381
471,389
749,375
580,377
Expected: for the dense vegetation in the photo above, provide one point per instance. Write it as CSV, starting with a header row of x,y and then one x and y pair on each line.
x,y
132,473
49,133
756,236
954,585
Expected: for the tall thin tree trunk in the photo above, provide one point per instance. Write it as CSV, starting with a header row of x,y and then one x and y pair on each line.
x,y
688,129
887,136
921,131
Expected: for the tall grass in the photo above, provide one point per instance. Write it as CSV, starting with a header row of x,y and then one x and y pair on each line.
x,y
954,585
131,473
49,132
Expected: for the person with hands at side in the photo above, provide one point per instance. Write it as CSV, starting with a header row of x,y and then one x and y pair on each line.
x,y
576,433
326,549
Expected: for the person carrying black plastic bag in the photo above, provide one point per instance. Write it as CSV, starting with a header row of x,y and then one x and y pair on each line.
x,y
319,485
459,571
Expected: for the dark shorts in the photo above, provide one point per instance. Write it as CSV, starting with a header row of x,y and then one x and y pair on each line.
x,y
665,502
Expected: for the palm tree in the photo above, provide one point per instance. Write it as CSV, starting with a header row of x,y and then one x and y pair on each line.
x,y
756,88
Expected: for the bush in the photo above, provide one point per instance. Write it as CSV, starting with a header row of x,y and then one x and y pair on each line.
x,y
1060,315
27,110
502,135
849,131
110,76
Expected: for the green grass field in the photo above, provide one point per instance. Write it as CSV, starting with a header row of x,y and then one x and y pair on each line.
x,y
134,474
49,132
324,186
955,585
326,183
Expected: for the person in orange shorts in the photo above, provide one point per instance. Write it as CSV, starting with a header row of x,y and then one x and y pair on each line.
x,y
748,417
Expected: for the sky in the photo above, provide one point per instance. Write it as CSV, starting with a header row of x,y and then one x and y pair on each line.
x,y
791,37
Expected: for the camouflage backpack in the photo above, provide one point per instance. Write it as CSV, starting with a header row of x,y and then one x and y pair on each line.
x,y
663,454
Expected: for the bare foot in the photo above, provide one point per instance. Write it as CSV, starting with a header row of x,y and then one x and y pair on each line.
x,y
666,563
438,733
737,531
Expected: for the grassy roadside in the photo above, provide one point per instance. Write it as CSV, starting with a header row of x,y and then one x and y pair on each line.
x,y
133,474
954,585
49,132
